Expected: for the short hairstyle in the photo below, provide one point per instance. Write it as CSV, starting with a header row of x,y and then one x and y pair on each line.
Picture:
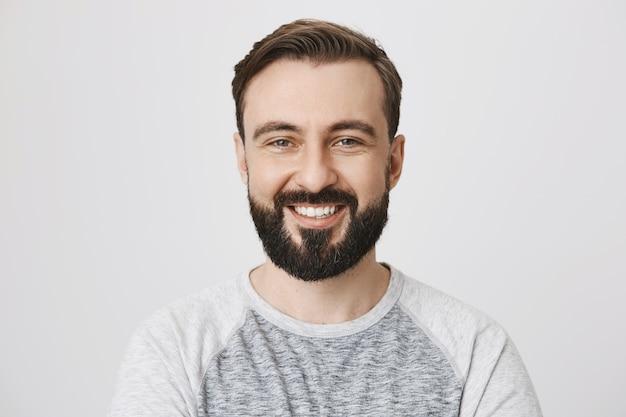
x,y
320,42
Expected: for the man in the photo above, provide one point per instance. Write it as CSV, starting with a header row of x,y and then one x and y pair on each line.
x,y
321,328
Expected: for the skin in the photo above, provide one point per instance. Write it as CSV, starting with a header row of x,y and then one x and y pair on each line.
x,y
309,127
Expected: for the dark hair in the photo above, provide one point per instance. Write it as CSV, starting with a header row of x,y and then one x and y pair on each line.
x,y
321,42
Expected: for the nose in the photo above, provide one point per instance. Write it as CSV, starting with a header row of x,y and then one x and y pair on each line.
x,y
315,170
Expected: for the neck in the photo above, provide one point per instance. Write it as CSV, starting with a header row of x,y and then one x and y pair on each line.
x,y
334,300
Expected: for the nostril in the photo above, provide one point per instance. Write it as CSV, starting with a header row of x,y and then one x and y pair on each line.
x,y
316,177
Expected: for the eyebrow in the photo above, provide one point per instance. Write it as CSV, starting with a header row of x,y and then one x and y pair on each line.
x,y
280,126
274,126
364,127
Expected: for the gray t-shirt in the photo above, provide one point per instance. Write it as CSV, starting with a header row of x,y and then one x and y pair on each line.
x,y
418,352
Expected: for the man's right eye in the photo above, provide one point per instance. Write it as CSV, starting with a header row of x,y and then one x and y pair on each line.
x,y
281,143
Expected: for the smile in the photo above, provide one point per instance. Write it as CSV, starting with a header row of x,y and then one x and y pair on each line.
x,y
315,212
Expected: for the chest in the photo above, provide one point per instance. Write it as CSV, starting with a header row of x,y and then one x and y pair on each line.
x,y
392,368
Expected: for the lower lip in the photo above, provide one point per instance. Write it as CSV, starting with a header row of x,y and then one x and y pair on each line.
x,y
318,223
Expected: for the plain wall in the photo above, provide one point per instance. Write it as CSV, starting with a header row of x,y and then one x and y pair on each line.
x,y
119,192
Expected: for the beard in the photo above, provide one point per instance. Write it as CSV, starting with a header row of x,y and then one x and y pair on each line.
x,y
315,258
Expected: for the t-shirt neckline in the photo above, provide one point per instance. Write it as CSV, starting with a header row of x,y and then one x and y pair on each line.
x,y
285,322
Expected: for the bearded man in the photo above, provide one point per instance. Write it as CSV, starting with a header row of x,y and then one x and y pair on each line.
x,y
321,327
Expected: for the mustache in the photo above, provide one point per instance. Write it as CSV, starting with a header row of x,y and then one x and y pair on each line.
x,y
327,195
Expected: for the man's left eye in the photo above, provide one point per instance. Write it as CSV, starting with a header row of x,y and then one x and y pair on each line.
x,y
347,142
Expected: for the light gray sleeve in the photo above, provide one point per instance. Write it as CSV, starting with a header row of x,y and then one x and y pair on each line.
x,y
167,356
153,380
497,383
495,380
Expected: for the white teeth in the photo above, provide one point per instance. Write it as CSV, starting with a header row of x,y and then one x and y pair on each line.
x,y
317,212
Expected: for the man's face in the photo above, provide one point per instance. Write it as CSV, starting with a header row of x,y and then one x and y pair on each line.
x,y
318,163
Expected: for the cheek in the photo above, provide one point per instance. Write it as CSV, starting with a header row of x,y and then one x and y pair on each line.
x,y
263,182
369,182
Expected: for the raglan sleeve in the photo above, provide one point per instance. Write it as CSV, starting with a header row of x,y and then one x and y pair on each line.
x,y
154,378
498,384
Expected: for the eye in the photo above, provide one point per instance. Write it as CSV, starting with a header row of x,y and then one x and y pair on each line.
x,y
280,143
347,142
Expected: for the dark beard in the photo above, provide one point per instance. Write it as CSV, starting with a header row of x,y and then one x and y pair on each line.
x,y
315,259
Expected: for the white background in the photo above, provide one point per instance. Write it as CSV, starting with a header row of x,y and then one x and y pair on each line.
x,y
119,193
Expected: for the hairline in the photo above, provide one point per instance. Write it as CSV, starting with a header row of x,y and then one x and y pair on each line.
x,y
320,42
315,62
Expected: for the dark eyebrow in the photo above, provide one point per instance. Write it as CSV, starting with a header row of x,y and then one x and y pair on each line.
x,y
274,126
366,128
278,126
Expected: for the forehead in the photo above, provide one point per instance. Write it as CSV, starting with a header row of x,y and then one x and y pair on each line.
x,y
303,92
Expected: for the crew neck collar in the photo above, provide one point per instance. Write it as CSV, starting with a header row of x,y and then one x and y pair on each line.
x,y
302,328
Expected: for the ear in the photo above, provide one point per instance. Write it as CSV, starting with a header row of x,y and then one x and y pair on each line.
x,y
240,151
396,159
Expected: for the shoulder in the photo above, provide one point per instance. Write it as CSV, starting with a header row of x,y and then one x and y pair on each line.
x,y
212,311
460,329
216,302
192,329
494,378
436,308
169,351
